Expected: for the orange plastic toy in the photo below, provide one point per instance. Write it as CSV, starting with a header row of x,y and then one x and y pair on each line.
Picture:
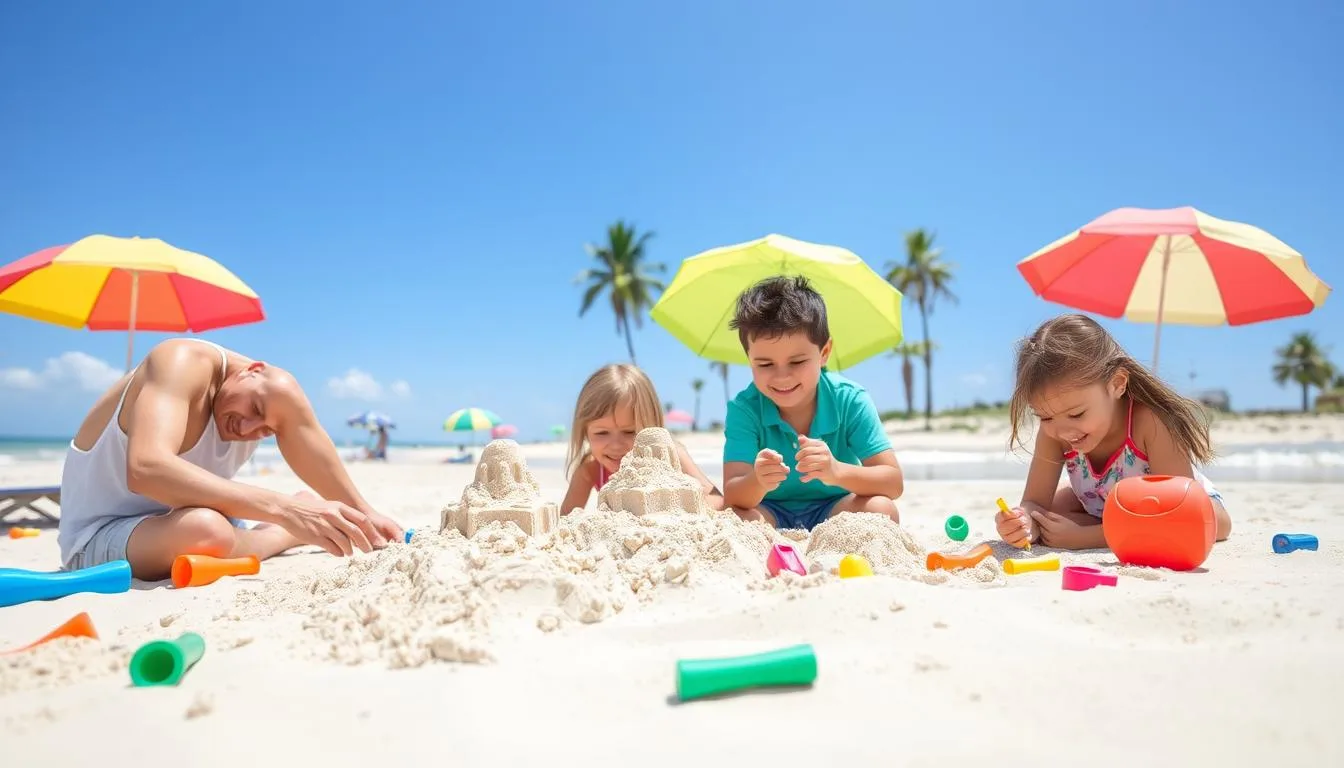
x,y
199,570
1159,521
80,626
951,562
23,533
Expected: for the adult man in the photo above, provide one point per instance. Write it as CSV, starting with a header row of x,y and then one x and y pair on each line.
x,y
148,476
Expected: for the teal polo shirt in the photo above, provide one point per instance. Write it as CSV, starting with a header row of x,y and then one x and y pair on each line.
x,y
846,420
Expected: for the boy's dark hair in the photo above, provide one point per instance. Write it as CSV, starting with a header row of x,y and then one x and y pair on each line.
x,y
781,305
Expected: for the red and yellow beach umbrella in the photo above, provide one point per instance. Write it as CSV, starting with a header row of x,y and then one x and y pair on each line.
x,y
1175,265
106,283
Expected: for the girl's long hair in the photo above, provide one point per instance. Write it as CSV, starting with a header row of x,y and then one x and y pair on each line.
x,y
1075,350
609,387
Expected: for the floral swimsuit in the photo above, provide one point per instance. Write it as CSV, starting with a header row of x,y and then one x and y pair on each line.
x,y
1092,487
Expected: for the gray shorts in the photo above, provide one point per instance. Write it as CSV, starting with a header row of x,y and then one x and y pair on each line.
x,y
108,543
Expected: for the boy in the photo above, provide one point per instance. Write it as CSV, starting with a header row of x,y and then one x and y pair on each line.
x,y
801,444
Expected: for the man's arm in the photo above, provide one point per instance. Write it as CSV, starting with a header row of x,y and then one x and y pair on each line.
x,y
306,446
172,377
309,451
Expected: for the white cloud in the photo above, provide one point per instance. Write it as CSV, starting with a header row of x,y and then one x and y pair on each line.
x,y
974,380
84,371
355,384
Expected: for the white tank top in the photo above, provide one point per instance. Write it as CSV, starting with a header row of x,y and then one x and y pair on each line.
x,y
93,482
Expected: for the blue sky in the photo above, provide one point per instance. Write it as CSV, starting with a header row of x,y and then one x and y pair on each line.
x,y
389,177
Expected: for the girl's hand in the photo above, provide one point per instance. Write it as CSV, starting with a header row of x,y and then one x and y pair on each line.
x,y
1014,529
1059,531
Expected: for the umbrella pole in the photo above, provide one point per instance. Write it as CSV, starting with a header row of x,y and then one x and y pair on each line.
x,y
1161,300
130,326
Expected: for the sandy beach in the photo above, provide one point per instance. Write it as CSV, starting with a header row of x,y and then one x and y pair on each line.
x,y
561,649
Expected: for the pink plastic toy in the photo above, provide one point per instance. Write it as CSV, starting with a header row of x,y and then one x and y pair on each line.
x,y
783,557
1080,577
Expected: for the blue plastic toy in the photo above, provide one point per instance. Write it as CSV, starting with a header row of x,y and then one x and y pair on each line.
x,y
1289,542
409,533
22,586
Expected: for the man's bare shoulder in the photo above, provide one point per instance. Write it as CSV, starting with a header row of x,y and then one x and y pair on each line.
x,y
190,365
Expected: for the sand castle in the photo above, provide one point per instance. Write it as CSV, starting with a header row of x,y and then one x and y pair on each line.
x,y
504,491
650,479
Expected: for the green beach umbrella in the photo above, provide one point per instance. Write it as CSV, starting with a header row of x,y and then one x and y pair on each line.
x,y
470,420
862,309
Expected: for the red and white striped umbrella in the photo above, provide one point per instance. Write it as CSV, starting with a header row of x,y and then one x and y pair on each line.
x,y
1176,265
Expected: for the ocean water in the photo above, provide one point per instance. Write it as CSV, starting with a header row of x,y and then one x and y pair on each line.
x,y
1321,462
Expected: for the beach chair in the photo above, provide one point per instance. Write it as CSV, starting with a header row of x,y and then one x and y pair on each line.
x,y
13,500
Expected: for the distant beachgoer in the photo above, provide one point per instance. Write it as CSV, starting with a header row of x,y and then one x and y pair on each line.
x,y
1103,417
614,404
379,450
148,476
801,443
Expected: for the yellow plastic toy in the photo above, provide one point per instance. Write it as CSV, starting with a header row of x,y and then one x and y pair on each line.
x,y
853,566
1048,563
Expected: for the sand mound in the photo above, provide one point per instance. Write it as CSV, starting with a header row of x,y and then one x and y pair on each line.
x,y
650,479
503,491
451,598
890,549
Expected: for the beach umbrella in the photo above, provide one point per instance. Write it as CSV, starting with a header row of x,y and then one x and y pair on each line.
x,y
107,283
558,429
503,431
676,416
1174,265
863,310
470,420
371,420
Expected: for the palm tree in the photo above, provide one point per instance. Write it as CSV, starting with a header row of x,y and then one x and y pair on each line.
x,y
722,370
625,275
923,278
696,386
907,350
1303,361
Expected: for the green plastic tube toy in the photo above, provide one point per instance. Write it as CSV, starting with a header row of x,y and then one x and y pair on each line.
x,y
697,678
165,662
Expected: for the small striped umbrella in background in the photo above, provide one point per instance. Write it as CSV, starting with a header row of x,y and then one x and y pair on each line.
x,y
470,420
503,431
679,417
106,283
1175,265
371,420
558,430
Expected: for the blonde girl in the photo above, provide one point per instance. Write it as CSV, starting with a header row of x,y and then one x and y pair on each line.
x,y
614,405
1102,418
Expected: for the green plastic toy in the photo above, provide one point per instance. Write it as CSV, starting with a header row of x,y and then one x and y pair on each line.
x,y
956,528
165,662
697,678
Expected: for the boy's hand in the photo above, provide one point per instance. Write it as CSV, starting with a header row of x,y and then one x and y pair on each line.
x,y
1014,529
770,469
815,461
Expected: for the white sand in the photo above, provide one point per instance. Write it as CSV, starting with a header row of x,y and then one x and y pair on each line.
x,y
503,651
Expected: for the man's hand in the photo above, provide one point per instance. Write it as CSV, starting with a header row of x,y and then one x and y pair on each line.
x,y
770,469
338,528
814,460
